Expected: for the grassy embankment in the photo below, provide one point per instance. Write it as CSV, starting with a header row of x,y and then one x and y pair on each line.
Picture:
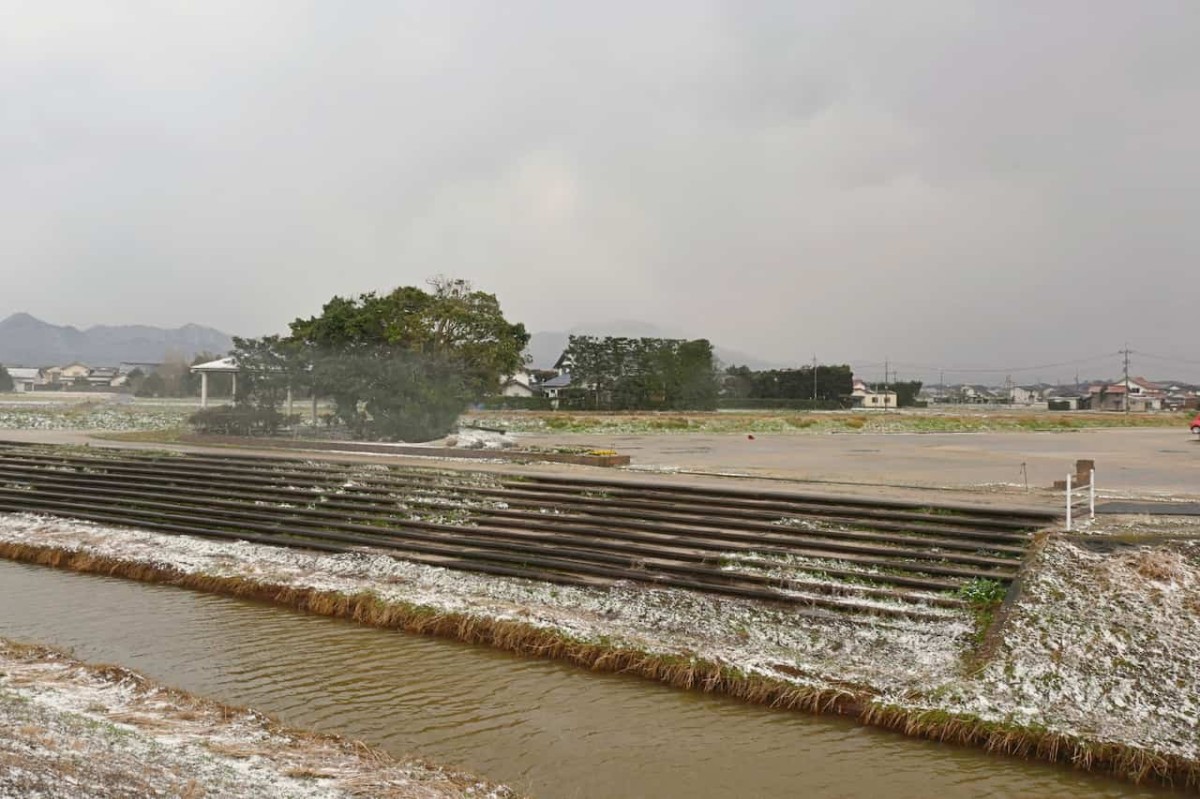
x,y
1055,646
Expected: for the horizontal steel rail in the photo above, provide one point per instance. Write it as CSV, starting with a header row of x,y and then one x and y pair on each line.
x,y
824,555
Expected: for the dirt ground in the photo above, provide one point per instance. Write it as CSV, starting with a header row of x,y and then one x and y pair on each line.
x,y
1009,467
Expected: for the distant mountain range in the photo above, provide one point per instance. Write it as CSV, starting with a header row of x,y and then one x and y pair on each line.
x,y
28,341
545,347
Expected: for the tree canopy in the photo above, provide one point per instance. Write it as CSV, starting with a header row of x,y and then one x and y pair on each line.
x,y
400,365
6,381
833,383
453,322
616,373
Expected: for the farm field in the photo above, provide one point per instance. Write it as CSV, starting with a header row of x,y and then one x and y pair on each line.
x,y
957,420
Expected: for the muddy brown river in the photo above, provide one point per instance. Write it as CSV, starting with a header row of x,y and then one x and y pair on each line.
x,y
543,728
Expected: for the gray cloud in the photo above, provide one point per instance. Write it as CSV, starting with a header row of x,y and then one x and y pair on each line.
x,y
941,183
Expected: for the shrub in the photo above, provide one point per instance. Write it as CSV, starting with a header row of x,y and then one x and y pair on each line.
x,y
983,592
777,403
240,420
516,404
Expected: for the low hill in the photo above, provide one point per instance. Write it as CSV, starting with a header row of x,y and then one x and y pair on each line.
x,y
28,341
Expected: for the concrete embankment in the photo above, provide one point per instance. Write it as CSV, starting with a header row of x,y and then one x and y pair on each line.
x,y
877,609
1078,676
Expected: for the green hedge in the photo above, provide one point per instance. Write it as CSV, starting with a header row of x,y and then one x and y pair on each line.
x,y
779,403
240,420
515,404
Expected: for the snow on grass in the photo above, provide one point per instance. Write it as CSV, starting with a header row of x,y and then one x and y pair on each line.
x,y
896,654
784,421
93,415
74,730
1102,645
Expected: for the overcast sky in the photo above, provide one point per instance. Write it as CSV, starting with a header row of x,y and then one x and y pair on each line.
x,y
992,184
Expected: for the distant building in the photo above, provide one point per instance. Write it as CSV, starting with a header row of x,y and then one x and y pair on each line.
x,y
101,376
1135,395
863,397
26,379
68,373
1026,395
519,384
553,388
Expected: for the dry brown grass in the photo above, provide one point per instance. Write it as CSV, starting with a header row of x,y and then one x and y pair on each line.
x,y
1160,564
1131,763
1119,760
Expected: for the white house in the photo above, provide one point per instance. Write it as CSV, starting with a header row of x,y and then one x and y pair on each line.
x,y
863,397
26,379
1025,395
518,384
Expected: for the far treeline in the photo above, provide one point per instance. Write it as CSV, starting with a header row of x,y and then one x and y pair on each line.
x,y
791,388
618,374
404,365
797,388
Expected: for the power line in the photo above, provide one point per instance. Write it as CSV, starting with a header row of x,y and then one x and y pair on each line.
x,y
980,369
1168,358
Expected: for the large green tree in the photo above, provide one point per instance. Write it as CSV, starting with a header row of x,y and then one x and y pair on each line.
x,y
398,366
616,373
453,322
832,383
6,381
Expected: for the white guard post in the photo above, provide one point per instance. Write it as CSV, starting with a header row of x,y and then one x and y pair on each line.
x,y
1091,496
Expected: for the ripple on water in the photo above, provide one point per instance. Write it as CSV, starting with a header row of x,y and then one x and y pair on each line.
x,y
545,728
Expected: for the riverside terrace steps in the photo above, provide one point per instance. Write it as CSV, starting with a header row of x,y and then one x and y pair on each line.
x,y
767,542
759,537
413,482
868,517
172,462
761,545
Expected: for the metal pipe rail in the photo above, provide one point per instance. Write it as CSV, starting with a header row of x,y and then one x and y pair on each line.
x,y
577,532
774,534
751,535
934,524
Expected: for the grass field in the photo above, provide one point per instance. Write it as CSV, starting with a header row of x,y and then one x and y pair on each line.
x,y
818,422
104,413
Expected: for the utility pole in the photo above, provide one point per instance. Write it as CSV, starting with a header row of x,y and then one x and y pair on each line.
x,y
1125,352
885,384
942,384
814,382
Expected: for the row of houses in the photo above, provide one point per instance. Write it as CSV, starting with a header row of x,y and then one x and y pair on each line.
x,y
75,374
1136,395
551,383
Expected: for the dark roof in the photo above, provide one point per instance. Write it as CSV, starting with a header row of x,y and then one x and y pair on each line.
x,y
562,381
